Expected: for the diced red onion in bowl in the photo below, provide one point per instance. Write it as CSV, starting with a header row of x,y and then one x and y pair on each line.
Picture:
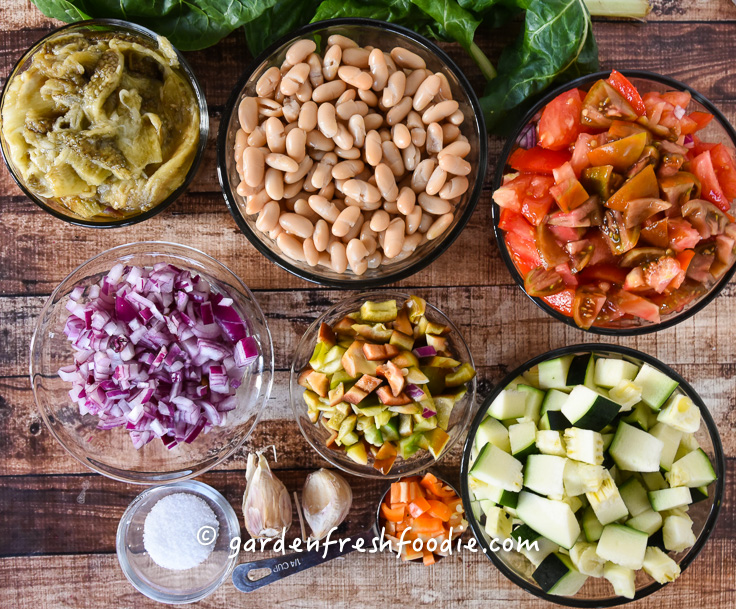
x,y
528,136
414,392
426,351
157,352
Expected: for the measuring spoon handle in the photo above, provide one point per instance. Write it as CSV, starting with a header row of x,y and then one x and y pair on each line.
x,y
283,566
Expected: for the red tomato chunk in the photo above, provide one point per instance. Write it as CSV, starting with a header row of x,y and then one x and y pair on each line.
x,y
620,212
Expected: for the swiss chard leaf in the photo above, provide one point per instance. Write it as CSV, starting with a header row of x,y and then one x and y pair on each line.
x,y
439,19
395,11
459,24
557,43
277,21
63,10
189,24
494,13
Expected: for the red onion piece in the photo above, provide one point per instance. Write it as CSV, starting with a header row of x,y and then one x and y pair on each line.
x,y
414,392
156,352
426,351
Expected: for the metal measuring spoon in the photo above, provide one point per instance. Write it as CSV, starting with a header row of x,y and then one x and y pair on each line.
x,y
289,564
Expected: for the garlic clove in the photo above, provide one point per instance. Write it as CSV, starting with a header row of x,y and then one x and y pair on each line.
x,y
326,501
266,502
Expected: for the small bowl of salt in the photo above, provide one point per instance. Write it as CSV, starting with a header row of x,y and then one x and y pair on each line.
x,y
173,542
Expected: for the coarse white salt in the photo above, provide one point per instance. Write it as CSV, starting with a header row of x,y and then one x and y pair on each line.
x,y
173,529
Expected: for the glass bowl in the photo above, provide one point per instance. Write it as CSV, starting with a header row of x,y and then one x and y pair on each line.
x,y
111,452
316,434
719,130
386,36
166,585
149,38
598,592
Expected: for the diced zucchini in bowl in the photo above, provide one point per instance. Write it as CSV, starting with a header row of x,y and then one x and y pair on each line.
x,y
589,409
670,498
607,503
609,466
622,579
648,521
681,414
553,372
549,442
496,467
582,370
670,438
498,523
635,496
692,470
660,567
509,404
625,393
592,528
493,431
584,445
623,546
635,450
677,532
543,474
609,372
655,385
557,575
554,520
586,559
580,478
537,550
523,439
534,398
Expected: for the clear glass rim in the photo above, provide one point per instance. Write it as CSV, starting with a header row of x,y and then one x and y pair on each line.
x,y
193,487
295,400
204,127
185,473
672,320
282,261
708,526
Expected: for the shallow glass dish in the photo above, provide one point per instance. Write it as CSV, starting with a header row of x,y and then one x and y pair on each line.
x,y
598,592
147,37
166,585
316,434
386,36
111,452
719,130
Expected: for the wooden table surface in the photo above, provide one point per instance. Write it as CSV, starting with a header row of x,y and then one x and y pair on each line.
x,y
58,520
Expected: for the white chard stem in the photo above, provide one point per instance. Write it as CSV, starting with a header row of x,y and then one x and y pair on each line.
x,y
633,9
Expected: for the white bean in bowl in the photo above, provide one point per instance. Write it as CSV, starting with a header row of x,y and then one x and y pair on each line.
x,y
352,157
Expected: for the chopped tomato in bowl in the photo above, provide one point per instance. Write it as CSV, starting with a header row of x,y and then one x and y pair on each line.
x,y
614,208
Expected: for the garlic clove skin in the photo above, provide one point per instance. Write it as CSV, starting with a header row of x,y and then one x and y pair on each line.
x,y
326,501
266,502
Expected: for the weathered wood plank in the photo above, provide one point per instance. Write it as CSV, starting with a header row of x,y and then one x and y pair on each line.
x,y
483,313
37,251
464,579
29,448
58,509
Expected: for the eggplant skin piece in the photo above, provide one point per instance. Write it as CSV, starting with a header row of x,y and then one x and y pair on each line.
x,y
102,123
